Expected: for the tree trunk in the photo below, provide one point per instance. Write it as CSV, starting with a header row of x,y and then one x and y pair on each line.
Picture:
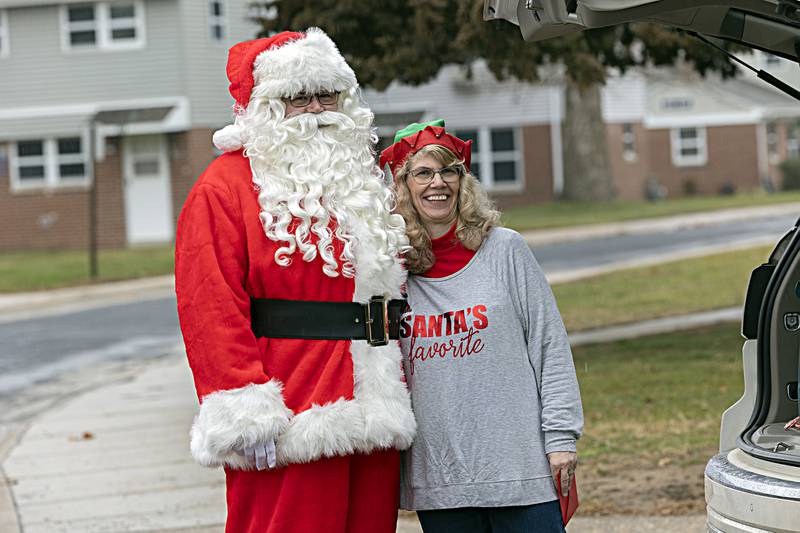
x,y
587,169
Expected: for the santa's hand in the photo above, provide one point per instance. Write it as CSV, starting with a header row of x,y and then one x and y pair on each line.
x,y
262,455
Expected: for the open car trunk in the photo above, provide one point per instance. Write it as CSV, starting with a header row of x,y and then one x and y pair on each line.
x,y
769,25
772,317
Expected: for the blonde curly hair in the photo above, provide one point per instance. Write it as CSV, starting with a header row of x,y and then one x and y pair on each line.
x,y
475,212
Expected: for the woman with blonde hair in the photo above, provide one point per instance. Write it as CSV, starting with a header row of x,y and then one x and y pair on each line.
x,y
485,353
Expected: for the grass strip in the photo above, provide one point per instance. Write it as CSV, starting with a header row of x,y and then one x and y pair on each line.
x,y
39,270
674,288
567,214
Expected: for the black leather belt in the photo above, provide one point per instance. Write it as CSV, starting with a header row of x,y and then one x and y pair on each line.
x,y
376,322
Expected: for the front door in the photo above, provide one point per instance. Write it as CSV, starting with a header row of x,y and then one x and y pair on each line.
x,y
148,203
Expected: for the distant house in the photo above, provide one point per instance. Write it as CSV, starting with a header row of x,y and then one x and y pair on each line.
x,y
670,132
148,73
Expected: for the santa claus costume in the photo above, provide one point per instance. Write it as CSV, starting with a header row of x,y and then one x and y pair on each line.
x,y
295,211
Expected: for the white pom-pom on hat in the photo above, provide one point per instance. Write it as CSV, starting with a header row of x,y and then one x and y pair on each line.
x,y
229,138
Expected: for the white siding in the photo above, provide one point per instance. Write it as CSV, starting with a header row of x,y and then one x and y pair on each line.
x,y
38,73
674,100
625,99
482,101
205,59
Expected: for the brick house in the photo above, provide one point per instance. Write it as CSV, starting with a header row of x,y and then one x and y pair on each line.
x,y
145,78
669,132
148,73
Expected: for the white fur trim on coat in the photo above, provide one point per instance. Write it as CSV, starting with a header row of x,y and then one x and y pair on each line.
x,y
310,64
229,138
230,420
378,417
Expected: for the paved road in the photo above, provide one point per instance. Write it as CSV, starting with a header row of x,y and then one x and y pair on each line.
x,y
603,251
37,349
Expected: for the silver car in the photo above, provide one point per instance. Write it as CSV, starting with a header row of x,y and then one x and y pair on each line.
x,y
753,484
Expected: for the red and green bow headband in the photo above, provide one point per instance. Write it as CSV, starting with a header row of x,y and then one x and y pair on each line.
x,y
413,137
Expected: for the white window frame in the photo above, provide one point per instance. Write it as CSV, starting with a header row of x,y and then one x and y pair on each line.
x,y
103,25
678,144
5,46
217,20
628,142
773,142
51,160
485,156
792,140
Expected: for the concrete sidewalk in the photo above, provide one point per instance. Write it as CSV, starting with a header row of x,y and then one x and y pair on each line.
x,y
116,458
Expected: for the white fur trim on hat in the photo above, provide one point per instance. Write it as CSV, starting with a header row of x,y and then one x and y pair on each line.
x,y
310,64
229,138
230,420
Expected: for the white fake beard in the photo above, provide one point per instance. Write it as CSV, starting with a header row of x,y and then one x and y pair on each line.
x,y
315,167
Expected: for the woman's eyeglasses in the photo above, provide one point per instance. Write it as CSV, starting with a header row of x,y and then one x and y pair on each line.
x,y
424,175
324,98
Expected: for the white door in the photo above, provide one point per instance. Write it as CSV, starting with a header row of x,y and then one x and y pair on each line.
x,y
148,198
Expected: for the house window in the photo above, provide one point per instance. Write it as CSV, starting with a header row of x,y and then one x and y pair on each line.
x,y
689,147
216,19
475,163
505,157
103,25
123,23
773,148
628,142
82,25
496,157
4,49
792,142
48,163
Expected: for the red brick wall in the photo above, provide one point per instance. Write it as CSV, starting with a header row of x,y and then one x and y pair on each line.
x,y
538,168
190,153
59,218
732,159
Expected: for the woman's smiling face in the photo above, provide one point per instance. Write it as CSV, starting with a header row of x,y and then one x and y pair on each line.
x,y
436,201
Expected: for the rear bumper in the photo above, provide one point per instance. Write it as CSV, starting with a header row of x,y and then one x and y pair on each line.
x,y
743,501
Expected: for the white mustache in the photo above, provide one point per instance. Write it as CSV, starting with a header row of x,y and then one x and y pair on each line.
x,y
309,123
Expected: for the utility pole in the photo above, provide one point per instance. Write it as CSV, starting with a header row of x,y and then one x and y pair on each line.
x,y
94,269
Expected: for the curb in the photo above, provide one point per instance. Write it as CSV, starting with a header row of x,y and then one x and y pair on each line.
x,y
656,326
19,306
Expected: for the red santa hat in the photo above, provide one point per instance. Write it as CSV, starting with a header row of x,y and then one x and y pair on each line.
x,y
283,65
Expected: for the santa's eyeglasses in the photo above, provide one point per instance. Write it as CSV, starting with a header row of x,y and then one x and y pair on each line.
x,y
324,98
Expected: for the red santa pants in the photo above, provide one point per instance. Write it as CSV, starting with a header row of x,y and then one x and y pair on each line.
x,y
352,494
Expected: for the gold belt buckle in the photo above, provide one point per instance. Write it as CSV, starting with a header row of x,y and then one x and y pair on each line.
x,y
384,340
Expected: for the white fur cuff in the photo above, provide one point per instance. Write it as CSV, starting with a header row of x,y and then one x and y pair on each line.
x,y
233,419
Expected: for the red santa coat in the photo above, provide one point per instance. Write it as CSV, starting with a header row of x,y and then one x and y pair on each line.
x,y
316,398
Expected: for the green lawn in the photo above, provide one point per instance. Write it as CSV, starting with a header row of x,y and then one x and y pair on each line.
x,y
563,214
679,287
658,397
652,411
38,270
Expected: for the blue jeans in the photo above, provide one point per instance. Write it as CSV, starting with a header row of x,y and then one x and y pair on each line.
x,y
537,518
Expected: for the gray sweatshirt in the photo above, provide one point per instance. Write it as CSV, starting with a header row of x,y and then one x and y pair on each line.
x,y
492,382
